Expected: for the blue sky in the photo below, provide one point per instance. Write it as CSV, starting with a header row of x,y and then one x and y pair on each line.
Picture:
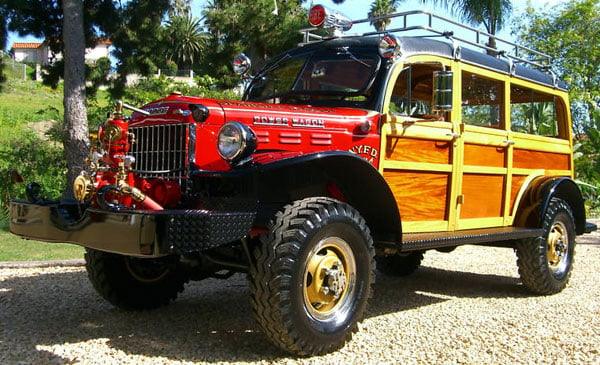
x,y
357,9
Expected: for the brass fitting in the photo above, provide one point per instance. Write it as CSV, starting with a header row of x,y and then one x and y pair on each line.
x,y
118,112
130,191
83,187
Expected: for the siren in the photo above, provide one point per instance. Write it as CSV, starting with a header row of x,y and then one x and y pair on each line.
x,y
321,17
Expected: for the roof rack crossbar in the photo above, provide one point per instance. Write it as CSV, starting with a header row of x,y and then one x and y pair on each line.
x,y
519,53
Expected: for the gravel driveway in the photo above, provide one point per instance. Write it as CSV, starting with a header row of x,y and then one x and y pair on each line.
x,y
464,307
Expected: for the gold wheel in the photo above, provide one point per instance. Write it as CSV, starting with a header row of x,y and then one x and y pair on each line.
x,y
558,247
329,279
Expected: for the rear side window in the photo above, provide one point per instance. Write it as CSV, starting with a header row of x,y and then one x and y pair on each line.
x,y
482,100
533,112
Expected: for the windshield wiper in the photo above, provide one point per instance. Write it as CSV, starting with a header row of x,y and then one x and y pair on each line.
x,y
274,65
347,52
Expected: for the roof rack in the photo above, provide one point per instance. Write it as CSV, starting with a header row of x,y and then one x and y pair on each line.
x,y
473,37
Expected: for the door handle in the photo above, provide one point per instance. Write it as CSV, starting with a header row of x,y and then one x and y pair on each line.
x,y
509,142
453,135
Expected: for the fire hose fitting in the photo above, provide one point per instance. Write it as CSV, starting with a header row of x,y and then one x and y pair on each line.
x,y
138,196
124,190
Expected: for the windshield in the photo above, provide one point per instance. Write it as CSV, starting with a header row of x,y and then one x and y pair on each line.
x,y
327,75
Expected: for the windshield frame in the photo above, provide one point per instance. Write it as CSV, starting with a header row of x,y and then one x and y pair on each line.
x,y
291,95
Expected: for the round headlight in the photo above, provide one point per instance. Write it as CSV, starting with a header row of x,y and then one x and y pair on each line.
x,y
235,141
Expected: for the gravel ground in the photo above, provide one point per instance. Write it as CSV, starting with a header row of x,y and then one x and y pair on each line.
x,y
466,307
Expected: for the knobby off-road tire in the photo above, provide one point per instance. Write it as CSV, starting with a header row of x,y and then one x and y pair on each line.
x,y
132,283
545,262
399,264
313,275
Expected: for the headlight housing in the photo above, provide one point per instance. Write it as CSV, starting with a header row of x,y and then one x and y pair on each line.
x,y
235,142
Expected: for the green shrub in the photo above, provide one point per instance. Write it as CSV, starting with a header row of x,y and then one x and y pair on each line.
x,y
150,89
35,160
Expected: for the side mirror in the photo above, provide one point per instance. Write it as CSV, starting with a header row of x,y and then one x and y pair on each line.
x,y
242,64
442,90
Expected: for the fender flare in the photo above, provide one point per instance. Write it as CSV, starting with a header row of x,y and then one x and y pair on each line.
x,y
541,191
361,184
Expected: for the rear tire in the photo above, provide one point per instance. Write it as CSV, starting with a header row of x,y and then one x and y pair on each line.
x,y
399,264
313,275
545,262
133,283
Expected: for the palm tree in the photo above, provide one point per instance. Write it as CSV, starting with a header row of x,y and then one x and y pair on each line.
x,y
180,8
491,13
380,8
185,40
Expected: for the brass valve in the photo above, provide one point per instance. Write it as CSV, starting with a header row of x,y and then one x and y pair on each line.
x,y
83,187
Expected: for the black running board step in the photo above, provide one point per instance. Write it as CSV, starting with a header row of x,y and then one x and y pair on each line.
x,y
431,240
590,227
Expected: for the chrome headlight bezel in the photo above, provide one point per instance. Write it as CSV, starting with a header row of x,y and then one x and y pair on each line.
x,y
235,142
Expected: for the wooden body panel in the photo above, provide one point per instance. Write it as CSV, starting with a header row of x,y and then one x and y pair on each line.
x,y
528,159
518,181
418,150
420,196
483,196
491,156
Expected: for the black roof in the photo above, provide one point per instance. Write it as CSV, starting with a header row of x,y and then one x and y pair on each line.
x,y
428,46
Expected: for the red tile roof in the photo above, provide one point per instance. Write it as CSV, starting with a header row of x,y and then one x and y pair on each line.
x,y
26,45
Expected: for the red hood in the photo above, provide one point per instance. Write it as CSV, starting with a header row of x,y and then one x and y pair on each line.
x,y
235,109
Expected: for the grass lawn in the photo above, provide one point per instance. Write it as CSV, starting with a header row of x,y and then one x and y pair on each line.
x,y
13,248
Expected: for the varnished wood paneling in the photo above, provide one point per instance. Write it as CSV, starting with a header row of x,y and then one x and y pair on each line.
x,y
477,155
418,150
483,196
540,160
517,183
421,196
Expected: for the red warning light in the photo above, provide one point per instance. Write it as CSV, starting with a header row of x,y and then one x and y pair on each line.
x,y
316,15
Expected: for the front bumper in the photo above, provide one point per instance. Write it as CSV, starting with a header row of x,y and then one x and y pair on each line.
x,y
133,233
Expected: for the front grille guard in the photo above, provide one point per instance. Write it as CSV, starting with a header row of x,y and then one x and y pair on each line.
x,y
164,151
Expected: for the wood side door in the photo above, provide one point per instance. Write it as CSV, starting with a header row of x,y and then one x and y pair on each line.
x,y
419,151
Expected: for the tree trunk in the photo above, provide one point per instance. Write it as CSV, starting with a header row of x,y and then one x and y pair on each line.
x,y
75,127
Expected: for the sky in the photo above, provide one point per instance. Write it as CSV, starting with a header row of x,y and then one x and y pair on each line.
x,y
358,9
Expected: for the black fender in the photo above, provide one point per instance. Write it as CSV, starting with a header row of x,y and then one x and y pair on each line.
x,y
282,181
536,200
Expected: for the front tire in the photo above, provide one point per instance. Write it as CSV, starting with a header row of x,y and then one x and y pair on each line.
x,y
133,283
545,262
313,276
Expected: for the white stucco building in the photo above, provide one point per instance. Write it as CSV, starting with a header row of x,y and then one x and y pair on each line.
x,y
39,53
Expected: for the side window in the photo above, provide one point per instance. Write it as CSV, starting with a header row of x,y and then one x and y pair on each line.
x,y
482,100
413,93
533,112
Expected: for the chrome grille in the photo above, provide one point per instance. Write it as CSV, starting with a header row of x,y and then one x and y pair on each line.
x,y
162,151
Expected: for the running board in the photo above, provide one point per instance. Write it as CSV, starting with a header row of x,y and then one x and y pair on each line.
x,y
431,240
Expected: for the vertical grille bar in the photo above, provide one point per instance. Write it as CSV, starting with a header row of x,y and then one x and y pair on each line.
x,y
161,151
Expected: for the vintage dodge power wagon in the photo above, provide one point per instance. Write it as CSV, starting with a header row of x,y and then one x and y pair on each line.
x,y
346,154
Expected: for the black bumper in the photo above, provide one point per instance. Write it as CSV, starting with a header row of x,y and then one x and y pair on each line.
x,y
134,233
